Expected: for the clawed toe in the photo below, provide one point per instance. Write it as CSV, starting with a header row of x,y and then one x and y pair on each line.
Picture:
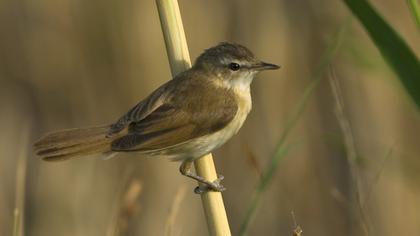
x,y
215,186
205,185
218,187
201,189
220,178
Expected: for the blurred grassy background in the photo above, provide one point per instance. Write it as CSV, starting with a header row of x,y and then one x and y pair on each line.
x,y
79,63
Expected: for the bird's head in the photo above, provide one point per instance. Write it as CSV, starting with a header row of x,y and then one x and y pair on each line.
x,y
232,63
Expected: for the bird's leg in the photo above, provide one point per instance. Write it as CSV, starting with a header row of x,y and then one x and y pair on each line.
x,y
185,170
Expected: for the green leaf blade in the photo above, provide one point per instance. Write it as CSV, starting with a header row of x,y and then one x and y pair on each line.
x,y
393,48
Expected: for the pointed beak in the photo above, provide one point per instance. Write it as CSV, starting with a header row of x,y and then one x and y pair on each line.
x,y
266,66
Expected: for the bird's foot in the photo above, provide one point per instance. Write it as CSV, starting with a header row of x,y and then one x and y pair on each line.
x,y
207,186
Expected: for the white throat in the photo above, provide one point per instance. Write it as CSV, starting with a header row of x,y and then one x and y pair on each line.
x,y
240,84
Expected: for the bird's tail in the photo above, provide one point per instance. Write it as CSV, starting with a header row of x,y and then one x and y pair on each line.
x,y
65,144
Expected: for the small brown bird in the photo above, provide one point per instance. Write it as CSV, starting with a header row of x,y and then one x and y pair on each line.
x,y
184,119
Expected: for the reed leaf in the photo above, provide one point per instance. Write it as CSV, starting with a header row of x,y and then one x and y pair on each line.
x,y
392,46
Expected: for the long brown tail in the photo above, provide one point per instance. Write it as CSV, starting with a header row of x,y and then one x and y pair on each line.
x,y
65,144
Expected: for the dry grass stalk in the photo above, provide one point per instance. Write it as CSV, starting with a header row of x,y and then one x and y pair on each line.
x,y
18,213
297,230
349,143
173,211
126,208
177,49
130,204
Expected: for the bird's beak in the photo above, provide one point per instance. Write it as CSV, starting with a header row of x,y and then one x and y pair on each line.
x,y
266,66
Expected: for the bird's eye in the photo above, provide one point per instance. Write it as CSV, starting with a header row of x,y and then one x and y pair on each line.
x,y
234,66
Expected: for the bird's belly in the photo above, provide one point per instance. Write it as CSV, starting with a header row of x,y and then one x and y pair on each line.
x,y
201,146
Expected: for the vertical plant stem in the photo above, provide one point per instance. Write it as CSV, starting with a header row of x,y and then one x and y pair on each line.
x,y
350,147
16,222
18,212
173,211
179,59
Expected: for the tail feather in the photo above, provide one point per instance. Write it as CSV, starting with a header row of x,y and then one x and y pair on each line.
x,y
65,144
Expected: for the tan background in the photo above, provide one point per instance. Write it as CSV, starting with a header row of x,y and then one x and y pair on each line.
x,y
74,63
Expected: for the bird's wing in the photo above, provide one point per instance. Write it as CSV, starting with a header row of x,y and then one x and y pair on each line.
x,y
179,119
141,110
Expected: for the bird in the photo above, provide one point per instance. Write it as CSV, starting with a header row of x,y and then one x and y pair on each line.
x,y
184,119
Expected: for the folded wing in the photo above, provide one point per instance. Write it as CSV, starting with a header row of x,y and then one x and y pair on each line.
x,y
176,122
